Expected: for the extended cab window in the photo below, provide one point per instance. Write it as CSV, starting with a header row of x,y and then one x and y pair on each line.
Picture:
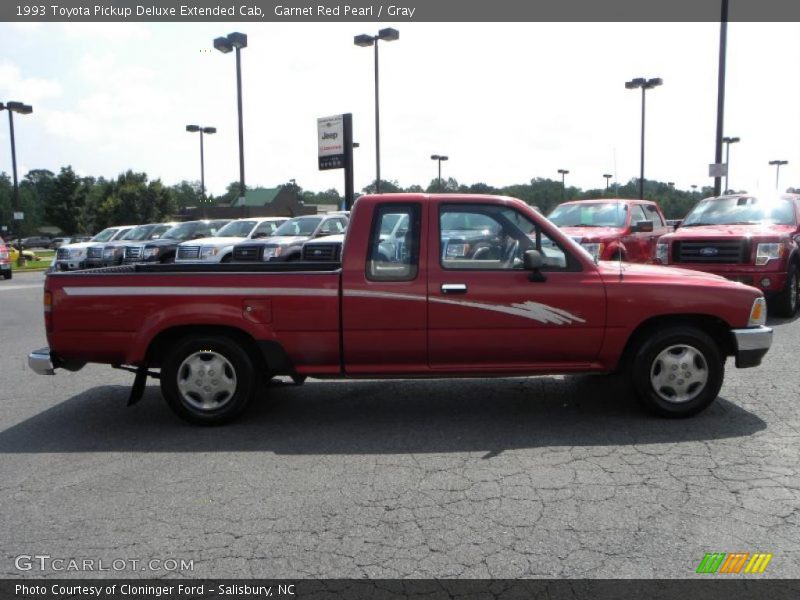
x,y
394,251
491,237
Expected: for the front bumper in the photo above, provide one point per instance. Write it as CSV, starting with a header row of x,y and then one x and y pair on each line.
x,y
770,278
70,265
751,345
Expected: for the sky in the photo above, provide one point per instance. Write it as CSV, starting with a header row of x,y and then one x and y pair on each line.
x,y
506,102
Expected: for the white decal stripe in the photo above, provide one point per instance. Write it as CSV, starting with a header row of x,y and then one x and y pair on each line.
x,y
528,310
194,291
385,295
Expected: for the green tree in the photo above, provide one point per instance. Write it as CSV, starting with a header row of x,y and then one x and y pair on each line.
x,y
387,187
64,206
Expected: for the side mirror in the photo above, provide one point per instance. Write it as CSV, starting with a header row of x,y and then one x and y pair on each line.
x,y
259,235
532,261
642,227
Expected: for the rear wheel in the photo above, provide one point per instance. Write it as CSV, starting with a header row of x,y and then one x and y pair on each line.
x,y
7,274
786,302
677,372
207,379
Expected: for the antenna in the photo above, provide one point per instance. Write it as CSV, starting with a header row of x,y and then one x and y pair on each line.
x,y
619,257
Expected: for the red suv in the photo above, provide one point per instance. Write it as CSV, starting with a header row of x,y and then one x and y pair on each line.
x,y
746,238
613,229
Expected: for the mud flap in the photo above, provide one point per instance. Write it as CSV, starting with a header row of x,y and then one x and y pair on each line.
x,y
137,391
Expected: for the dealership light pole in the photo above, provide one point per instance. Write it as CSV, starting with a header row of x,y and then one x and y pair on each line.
x,y
645,84
439,158
23,109
608,176
387,35
209,131
563,173
778,164
225,45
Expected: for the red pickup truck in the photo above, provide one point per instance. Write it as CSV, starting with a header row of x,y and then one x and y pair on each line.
x,y
536,304
613,229
747,238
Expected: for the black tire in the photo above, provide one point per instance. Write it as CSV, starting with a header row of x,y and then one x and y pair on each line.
x,y
227,258
677,371
229,390
786,302
8,274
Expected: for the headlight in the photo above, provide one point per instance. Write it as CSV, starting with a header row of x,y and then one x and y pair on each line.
x,y
77,252
272,252
662,253
458,250
208,251
595,250
3,254
758,313
150,252
768,252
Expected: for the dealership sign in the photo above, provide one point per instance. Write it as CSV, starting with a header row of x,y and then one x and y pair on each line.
x,y
330,140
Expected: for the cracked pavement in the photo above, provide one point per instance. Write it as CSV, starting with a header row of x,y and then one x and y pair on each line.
x,y
508,478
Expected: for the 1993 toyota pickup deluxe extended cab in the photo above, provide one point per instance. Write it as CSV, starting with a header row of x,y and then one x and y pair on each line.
x,y
535,304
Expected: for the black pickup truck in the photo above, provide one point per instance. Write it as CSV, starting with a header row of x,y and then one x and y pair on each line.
x,y
162,250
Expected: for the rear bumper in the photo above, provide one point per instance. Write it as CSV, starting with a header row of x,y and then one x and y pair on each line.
x,y
45,362
751,345
40,362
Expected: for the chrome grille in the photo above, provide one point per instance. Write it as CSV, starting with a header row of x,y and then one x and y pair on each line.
x,y
712,251
62,254
246,253
133,252
322,252
188,252
94,252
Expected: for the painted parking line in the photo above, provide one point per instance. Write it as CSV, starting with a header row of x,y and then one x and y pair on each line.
x,y
24,286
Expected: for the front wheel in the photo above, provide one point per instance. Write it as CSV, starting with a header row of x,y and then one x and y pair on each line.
x,y
207,379
8,274
786,302
677,372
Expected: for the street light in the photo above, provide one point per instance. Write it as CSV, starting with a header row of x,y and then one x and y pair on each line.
x,y
387,35
225,45
728,141
645,84
439,158
563,173
608,176
23,109
209,131
777,164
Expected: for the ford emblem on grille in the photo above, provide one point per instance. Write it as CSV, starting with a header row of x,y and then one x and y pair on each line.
x,y
709,251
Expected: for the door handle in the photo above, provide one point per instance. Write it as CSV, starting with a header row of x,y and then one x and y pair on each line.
x,y
454,288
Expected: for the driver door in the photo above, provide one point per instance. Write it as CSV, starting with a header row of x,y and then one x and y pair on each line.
x,y
485,314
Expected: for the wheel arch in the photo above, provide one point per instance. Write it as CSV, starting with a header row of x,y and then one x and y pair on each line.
x,y
268,356
717,329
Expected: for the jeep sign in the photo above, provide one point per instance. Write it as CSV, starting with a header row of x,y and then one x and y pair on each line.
x,y
330,139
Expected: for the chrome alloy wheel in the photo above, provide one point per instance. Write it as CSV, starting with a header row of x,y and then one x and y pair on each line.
x,y
679,373
206,380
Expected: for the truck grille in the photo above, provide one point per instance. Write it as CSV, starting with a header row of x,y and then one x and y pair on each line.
x,y
247,253
712,251
188,252
322,252
62,254
133,252
94,252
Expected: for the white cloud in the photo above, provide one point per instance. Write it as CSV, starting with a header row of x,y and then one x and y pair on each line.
x,y
30,90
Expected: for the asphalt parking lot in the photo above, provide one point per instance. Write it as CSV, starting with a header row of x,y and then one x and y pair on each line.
x,y
507,478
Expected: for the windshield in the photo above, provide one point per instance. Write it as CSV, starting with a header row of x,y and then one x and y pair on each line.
x,y
600,214
105,235
237,229
302,226
138,234
158,231
743,210
180,232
